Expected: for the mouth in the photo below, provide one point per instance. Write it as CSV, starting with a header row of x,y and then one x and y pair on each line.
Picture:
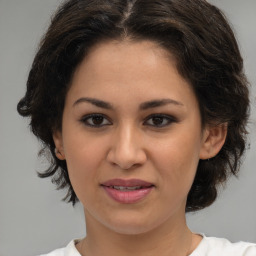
x,y
127,191
121,188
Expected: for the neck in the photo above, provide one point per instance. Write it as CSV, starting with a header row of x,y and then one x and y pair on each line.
x,y
171,238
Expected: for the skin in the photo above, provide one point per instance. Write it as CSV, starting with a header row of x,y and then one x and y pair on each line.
x,y
125,142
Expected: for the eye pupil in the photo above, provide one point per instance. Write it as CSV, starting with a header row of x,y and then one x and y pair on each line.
x,y
157,120
97,120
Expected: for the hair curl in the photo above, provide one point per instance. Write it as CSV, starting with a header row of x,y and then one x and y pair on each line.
x,y
195,32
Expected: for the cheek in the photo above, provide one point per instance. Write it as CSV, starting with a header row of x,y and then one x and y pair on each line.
x,y
83,156
177,159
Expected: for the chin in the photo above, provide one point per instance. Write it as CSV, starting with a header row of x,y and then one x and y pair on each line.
x,y
132,226
131,230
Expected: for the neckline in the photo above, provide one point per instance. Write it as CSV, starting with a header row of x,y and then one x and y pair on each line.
x,y
199,246
72,245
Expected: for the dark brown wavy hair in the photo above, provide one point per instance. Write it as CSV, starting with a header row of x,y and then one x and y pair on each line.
x,y
195,32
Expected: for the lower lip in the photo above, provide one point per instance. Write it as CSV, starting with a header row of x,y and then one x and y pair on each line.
x,y
127,197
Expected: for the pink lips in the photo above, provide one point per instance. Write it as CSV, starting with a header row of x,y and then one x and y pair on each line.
x,y
127,191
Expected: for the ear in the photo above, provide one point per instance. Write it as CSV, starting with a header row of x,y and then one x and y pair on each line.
x,y
59,150
213,139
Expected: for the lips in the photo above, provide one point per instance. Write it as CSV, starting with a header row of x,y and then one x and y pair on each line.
x,y
127,191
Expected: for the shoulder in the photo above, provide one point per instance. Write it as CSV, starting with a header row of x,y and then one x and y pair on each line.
x,y
70,250
212,246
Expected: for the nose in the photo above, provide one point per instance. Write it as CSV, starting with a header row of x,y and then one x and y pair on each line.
x,y
126,149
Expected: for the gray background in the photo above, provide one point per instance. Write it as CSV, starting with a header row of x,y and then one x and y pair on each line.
x,y
33,219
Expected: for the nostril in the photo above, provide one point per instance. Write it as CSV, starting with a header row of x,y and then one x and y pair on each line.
x,y
126,159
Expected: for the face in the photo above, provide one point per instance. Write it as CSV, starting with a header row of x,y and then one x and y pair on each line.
x,y
131,136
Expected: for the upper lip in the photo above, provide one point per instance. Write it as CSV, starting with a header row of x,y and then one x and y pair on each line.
x,y
127,183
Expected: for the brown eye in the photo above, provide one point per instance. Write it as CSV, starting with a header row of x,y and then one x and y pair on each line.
x,y
159,120
95,120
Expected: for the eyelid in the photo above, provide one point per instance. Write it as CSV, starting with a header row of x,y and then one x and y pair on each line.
x,y
88,116
171,119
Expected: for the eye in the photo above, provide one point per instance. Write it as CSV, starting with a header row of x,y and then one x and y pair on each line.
x,y
159,120
95,120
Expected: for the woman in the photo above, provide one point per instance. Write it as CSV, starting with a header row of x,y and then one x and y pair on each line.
x,y
137,103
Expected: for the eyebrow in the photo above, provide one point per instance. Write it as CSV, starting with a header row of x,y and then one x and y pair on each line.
x,y
159,103
143,106
96,102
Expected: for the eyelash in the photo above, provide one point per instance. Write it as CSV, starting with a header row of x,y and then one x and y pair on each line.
x,y
85,119
168,120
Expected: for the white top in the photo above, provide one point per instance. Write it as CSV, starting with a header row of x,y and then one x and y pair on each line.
x,y
209,246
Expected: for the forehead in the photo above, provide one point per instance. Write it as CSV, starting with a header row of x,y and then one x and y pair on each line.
x,y
144,49
141,70
121,56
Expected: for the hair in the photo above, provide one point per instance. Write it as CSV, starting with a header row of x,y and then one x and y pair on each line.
x,y
195,32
